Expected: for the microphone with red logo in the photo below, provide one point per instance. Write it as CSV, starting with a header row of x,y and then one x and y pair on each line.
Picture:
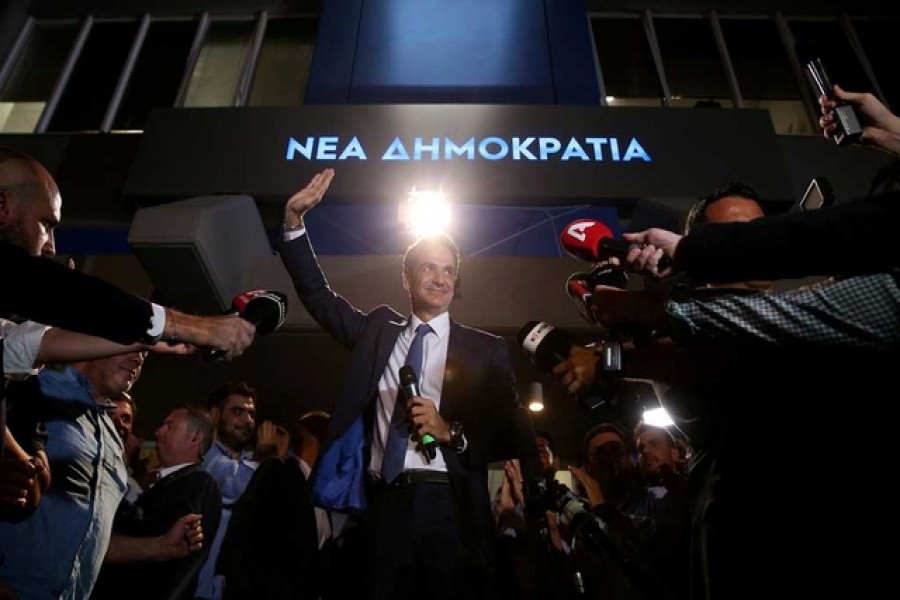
x,y
266,309
580,286
593,241
580,292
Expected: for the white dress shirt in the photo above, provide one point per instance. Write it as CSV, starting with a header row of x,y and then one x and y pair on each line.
x,y
430,384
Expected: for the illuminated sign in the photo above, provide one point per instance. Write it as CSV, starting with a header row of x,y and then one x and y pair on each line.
x,y
517,155
493,148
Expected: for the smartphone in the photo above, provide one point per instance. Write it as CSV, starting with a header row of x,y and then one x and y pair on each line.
x,y
845,117
818,194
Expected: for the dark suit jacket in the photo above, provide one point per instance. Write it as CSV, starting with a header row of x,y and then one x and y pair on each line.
x,y
271,547
65,298
188,490
478,391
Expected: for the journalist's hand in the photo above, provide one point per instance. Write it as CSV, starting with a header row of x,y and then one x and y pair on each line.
x,y
578,370
881,126
652,245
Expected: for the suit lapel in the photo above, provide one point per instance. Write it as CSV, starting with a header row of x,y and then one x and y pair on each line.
x,y
453,371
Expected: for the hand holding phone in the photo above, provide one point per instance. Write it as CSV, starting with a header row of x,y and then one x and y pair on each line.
x,y
845,117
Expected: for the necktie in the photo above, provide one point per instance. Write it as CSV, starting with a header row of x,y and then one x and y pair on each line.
x,y
398,436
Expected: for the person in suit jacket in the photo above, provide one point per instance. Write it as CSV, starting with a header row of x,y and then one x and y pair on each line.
x,y
157,548
427,527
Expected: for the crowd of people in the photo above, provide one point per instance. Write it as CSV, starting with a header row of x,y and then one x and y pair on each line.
x,y
386,495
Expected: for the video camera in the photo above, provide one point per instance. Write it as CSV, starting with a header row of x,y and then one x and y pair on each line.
x,y
580,527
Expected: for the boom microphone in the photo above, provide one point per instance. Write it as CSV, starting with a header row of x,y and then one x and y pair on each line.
x,y
410,387
266,309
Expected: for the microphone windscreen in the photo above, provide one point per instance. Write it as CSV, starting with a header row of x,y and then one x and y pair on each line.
x,y
267,310
579,290
581,238
546,345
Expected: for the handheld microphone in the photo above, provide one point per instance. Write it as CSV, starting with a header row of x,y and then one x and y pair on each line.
x,y
580,286
548,346
593,241
544,344
410,387
580,292
266,309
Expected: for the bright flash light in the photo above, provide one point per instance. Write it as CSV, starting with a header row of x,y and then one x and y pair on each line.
x,y
610,98
536,396
658,417
425,212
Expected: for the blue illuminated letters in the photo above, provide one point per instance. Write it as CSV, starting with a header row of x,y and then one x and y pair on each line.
x,y
490,148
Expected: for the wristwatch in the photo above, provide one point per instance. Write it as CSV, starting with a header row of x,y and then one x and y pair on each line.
x,y
457,437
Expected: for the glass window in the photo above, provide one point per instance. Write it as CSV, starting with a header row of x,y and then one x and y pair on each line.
x,y
692,63
826,40
764,74
34,76
878,41
88,92
626,63
218,68
157,72
284,60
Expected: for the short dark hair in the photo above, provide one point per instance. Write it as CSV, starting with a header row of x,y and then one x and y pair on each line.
x,y
30,182
697,214
603,428
442,239
312,424
238,388
542,433
127,399
642,427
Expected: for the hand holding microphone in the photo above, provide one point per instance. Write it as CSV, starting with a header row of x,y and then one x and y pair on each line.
x,y
580,287
410,386
265,309
593,241
553,351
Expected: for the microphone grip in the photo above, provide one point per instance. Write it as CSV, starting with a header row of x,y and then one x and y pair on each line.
x,y
215,353
429,444
611,247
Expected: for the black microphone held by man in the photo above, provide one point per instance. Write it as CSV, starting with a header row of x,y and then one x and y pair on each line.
x,y
410,386
266,309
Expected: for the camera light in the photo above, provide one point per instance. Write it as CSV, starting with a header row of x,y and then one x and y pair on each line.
x,y
657,417
425,212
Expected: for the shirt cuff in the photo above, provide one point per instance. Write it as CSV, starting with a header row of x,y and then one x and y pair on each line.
x,y
21,345
290,235
157,324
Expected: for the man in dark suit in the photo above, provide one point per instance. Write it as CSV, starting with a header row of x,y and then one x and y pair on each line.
x,y
428,519
157,549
